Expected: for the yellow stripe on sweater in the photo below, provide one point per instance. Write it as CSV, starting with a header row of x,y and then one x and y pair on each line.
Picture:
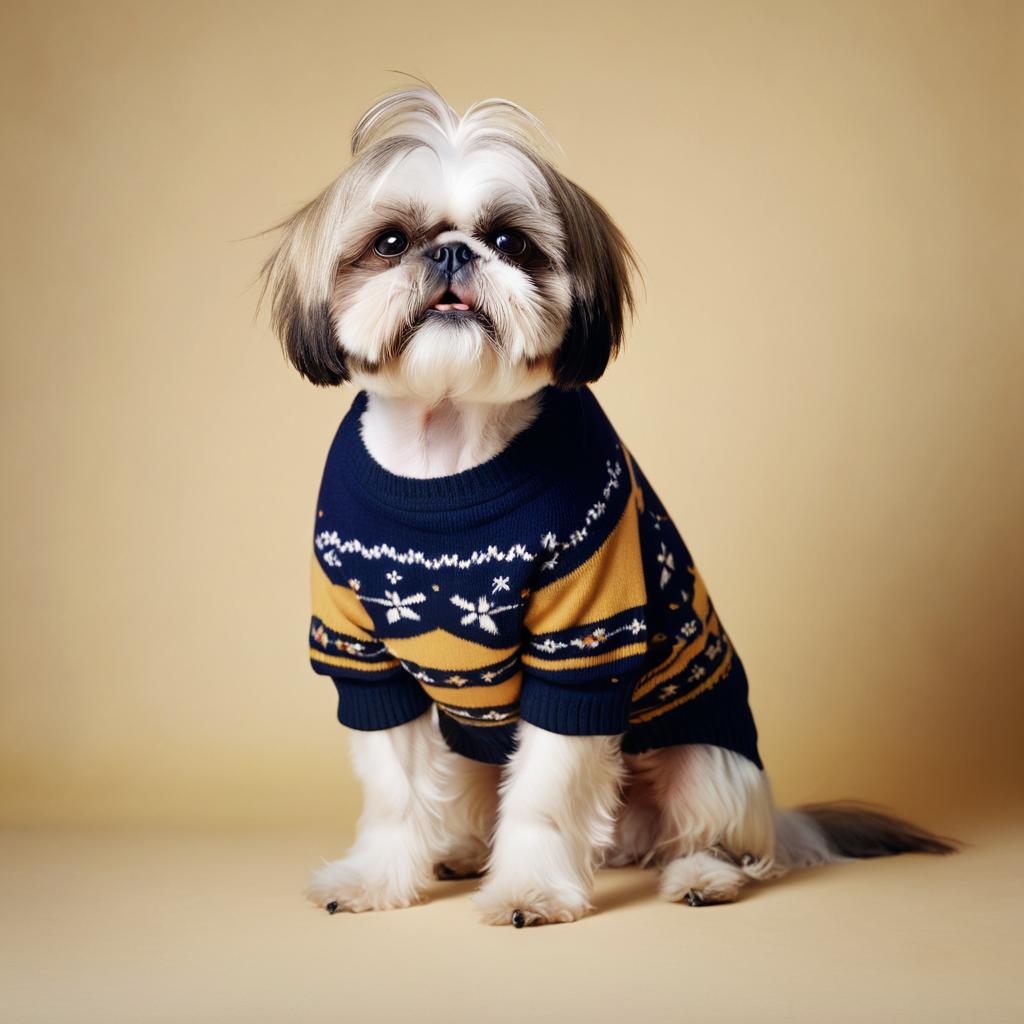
x,y
445,652
671,666
340,662
338,607
495,696
711,680
609,582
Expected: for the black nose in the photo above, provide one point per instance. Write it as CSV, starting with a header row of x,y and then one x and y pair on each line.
x,y
452,257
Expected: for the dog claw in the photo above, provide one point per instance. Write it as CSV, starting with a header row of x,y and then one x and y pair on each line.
x,y
747,859
518,919
694,898
332,907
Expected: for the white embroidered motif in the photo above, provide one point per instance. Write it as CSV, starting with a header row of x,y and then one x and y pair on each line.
x,y
487,716
333,547
550,541
397,607
595,638
668,565
481,613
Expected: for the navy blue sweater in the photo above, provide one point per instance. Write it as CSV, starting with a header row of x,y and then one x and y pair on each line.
x,y
548,584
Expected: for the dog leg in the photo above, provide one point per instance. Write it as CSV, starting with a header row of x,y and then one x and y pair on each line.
x,y
470,811
716,823
556,816
636,830
400,832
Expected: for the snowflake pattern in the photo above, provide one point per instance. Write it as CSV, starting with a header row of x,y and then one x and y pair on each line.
x,y
398,607
482,612
689,629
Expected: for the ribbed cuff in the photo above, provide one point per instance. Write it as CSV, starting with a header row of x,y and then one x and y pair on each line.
x,y
379,705
601,710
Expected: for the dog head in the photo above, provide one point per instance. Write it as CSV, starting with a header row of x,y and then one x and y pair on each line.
x,y
450,260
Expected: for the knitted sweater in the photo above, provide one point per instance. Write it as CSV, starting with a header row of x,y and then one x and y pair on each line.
x,y
547,584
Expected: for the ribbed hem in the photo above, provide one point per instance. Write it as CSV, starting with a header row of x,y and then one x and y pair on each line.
x,y
576,710
491,744
720,717
379,705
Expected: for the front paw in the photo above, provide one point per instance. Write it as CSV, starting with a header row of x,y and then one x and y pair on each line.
x,y
529,904
343,885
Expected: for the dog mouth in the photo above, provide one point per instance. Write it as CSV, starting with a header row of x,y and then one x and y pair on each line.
x,y
454,309
451,303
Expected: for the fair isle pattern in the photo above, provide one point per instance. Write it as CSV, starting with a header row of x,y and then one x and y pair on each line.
x,y
577,607
333,548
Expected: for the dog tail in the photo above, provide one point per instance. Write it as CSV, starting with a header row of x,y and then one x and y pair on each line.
x,y
848,830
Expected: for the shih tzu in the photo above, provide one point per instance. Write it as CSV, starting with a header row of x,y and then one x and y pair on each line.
x,y
537,678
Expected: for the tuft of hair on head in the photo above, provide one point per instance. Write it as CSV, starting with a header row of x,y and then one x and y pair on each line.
x,y
300,272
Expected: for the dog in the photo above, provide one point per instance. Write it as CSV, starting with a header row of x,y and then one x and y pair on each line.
x,y
536,678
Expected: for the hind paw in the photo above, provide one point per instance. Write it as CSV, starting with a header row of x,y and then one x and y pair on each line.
x,y
700,879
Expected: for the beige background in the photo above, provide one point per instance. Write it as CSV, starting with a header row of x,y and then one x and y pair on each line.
x,y
824,383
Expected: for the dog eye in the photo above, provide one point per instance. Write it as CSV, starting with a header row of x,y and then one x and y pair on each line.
x,y
511,243
389,244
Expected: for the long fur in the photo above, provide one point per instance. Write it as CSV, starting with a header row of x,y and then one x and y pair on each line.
x,y
446,394
341,311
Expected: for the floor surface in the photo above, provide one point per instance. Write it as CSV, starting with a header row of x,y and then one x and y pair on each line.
x,y
142,926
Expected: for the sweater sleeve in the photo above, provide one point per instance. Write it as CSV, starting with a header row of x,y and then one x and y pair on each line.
x,y
586,631
374,690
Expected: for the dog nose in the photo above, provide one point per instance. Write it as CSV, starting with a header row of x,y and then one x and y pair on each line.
x,y
452,257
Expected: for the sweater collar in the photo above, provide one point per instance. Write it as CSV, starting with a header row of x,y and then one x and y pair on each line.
x,y
527,458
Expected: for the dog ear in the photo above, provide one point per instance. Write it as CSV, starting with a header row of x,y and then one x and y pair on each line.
x,y
311,345
298,283
601,264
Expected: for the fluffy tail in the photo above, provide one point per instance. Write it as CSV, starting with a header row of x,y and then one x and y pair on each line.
x,y
848,830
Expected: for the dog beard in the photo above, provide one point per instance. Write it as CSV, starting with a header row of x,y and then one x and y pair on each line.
x,y
451,260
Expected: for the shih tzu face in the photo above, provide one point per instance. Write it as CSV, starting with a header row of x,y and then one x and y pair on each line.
x,y
450,260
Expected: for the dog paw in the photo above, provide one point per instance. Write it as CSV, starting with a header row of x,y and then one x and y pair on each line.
x,y
701,879
529,905
451,870
341,886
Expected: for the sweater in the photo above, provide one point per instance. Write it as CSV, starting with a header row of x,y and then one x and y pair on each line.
x,y
547,584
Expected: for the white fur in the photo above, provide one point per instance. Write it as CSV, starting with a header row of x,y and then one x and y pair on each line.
x,y
414,438
702,814
421,804
449,396
556,820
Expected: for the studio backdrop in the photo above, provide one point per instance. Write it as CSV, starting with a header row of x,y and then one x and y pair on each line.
x,y
824,376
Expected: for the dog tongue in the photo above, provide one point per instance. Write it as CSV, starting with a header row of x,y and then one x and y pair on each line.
x,y
445,306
